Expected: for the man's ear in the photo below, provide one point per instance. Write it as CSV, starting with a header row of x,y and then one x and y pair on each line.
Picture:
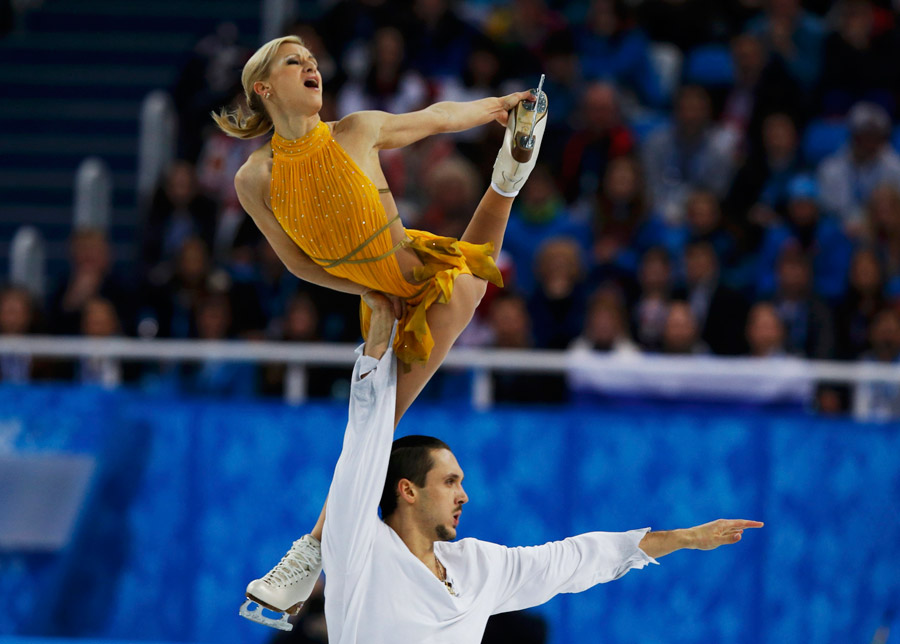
x,y
406,490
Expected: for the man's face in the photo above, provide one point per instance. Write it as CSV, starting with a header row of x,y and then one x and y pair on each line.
x,y
443,496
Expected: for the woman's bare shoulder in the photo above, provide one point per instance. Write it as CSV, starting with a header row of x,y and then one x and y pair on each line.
x,y
256,171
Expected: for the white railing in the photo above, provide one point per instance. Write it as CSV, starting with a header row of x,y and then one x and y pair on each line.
x,y
746,379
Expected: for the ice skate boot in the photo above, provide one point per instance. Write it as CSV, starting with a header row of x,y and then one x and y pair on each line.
x,y
287,586
521,143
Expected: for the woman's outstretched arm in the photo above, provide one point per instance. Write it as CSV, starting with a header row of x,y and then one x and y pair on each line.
x,y
398,130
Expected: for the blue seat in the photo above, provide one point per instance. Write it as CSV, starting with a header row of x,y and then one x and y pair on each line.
x,y
823,137
709,65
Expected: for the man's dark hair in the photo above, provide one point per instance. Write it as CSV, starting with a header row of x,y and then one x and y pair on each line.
x,y
410,459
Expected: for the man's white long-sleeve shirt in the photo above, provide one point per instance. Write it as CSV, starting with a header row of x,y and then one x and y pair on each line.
x,y
378,592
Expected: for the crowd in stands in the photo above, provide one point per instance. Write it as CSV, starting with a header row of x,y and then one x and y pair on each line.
x,y
717,177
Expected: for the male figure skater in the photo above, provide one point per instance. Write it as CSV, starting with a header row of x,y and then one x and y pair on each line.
x,y
401,579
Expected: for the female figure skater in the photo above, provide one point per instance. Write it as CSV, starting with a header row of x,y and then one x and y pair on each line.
x,y
318,194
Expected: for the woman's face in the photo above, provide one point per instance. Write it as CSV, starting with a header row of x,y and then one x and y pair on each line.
x,y
295,81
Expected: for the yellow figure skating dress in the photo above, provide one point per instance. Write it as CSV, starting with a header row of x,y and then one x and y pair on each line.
x,y
332,211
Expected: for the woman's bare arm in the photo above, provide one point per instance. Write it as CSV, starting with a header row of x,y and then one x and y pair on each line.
x,y
398,130
251,181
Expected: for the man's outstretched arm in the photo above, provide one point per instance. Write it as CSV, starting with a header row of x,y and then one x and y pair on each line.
x,y
708,536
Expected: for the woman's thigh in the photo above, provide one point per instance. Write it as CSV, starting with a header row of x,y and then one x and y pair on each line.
x,y
446,322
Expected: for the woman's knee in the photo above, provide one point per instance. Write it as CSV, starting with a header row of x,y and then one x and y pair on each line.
x,y
470,290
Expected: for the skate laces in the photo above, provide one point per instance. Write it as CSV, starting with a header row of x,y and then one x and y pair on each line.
x,y
295,565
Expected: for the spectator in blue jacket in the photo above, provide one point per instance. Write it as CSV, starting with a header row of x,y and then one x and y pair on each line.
x,y
613,48
794,38
817,236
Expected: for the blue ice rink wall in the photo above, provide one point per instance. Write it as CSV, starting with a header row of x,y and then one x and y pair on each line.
x,y
191,499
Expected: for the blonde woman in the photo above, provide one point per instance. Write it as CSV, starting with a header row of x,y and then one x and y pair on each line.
x,y
318,194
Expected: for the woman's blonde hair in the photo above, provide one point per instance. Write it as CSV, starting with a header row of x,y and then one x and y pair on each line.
x,y
256,121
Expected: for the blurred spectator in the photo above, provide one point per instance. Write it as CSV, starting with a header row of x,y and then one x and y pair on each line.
x,y
208,80
807,319
558,303
882,232
522,28
90,275
302,324
686,155
100,320
18,316
600,138
348,27
651,302
623,225
859,62
453,188
178,211
389,84
539,214
760,89
719,311
563,83
439,40
793,37
849,176
174,296
480,78
684,23
680,334
511,326
765,331
612,47
606,326
759,192
881,400
214,376
864,298
818,237
703,221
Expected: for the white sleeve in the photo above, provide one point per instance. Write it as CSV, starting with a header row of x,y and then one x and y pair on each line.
x,y
533,575
351,515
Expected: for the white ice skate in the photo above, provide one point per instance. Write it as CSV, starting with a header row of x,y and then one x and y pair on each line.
x,y
521,143
287,586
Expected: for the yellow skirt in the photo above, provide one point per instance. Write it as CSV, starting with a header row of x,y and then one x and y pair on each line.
x,y
444,259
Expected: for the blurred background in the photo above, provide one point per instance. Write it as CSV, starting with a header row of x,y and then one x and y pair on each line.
x,y
701,315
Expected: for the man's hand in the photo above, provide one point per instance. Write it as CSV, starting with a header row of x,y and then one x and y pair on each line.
x,y
385,309
721,532
702,537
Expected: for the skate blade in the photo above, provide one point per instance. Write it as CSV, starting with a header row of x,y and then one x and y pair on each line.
x,y
257,615
528,113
